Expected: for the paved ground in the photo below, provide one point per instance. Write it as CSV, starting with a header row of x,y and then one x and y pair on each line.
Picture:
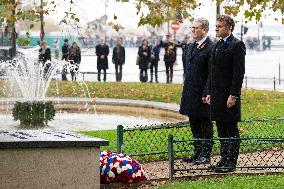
x,y
261,67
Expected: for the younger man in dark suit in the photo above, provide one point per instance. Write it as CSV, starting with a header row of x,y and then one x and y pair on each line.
x,y
224,90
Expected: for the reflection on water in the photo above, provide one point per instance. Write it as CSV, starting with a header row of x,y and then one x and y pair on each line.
x,y
79,121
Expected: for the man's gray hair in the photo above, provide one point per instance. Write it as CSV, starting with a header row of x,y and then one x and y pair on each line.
x,y
204,22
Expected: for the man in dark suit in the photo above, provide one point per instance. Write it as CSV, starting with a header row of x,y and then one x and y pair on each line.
x,y
102,51
118,59
198,55
224,91
170,56
184,46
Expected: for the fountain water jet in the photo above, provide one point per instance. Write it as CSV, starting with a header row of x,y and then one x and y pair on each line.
x,y
32,79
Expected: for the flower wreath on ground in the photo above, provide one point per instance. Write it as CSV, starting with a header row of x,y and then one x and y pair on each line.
x,y
117,167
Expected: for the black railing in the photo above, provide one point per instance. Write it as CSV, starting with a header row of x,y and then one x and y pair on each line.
x,y
256,155
150,143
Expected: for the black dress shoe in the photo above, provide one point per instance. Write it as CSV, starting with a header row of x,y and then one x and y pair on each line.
x,y
202,160
221,163
226,168
191,159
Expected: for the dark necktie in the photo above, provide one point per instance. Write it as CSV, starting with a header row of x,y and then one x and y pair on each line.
x,y
221,43
195,48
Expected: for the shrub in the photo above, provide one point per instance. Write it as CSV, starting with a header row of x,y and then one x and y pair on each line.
x,y
33,114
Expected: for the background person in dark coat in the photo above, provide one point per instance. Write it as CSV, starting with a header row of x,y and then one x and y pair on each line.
x,y
155,58
170,56
65,53
144,54
195,81
75,60
102,51
118,58
184,46
44,56
224,90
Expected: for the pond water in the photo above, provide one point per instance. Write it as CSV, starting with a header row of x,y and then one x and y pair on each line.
x,y
88,121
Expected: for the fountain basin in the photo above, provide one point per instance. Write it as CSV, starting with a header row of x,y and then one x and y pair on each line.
x,y
76,114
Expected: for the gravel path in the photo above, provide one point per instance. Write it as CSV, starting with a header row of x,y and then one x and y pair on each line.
x,y
273,157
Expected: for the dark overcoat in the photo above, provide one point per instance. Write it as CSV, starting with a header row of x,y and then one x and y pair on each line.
x,y
195,81
102,63
75,55
118,55
226,77
144,60
44,54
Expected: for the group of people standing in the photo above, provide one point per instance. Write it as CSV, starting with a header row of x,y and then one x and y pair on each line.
x,y
118,59
72,55
212,92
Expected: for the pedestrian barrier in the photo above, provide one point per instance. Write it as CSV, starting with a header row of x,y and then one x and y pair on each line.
x,y
150,143
257,155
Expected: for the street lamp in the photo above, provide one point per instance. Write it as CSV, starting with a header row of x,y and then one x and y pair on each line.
x,y
42,34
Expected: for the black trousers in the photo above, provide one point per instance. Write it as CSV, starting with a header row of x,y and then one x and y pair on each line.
x,y
184,65
202,128
118,72
169,71
229,143
143,75
154,65
64,69
99,74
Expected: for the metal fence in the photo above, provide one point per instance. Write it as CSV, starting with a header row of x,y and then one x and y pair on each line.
x,y
257,155
150,143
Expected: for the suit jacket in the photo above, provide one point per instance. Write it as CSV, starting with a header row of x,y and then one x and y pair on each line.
x,y
118,55
195,80
102,63
226,77
155,51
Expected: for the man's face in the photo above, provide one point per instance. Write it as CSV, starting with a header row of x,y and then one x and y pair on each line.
x,y
222,30
168,38
102,41
198,32
118,42
186,39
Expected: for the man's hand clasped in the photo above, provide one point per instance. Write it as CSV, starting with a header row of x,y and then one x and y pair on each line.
x,y
230,102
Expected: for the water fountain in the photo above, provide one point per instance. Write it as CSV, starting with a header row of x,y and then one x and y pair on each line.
x,y
42,158
32,79
50,158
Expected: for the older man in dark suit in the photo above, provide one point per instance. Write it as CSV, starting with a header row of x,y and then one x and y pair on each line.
x,y
102,51
224,91
198,55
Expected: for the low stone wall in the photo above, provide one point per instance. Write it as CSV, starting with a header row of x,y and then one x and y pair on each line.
x,y
49,168
49,159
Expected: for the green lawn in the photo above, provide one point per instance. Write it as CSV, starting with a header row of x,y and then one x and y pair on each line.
x,y
231,182
256,103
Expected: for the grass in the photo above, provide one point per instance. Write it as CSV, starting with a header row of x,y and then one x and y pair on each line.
x,y
231,182
255,104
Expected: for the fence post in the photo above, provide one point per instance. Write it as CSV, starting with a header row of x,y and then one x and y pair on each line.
x,y
274,83
171,156
119,138
279,72
246,82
